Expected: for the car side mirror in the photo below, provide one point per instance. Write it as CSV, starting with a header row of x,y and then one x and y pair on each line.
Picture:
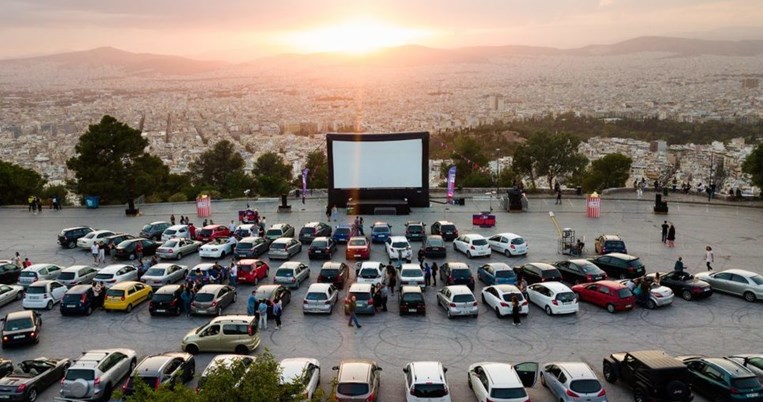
x,y
444,369
335,368
380,369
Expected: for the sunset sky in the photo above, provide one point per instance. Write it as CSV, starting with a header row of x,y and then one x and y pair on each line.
x,y
239,30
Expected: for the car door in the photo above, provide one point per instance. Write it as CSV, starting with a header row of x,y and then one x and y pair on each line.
x,y
722,281
121,365
312,377
492,298
738,284
551,376
480,384
527,372
57,290
442,297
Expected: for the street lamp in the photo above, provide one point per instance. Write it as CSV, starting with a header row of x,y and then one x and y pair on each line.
x,y
497,170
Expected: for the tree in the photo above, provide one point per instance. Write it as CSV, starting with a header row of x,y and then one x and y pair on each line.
x,y
220,168
610,171
468,157
318,177
272,175
111,162
550,156
18,183
753,165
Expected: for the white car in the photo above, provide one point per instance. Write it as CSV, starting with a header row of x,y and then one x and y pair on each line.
x,y
501,382
473,245
457,300
95,236
426,381
572,382
218,248
225,361
412,275
498,298
306,369
43,294
320,298
371,272
176,232
395,244
9,293
177,248
164,274
553,297
508,244
246,230
110,275
658,295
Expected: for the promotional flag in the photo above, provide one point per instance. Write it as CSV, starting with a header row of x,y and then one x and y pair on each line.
x,y
451,182
305,171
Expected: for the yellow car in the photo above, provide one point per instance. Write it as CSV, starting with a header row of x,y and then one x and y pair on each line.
x,y
126,295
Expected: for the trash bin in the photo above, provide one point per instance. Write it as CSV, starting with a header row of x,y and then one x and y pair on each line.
x,y
92,201
578,190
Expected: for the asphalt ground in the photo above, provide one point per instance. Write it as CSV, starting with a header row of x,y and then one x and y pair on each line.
x,y
718,326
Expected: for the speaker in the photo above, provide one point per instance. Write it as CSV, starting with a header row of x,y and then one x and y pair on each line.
x,y
658,199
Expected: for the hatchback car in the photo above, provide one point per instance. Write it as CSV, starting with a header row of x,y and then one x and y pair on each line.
x,y
572,382
358,248
166,301
535,272
96,236
168,369
304,369
580,271
39,272
284,248
212,299
278,231
364,300
311,230
414,231
342,233
457,273
218,248
380,232
117,238
252,271
457,300
164,274
612,295
43,294
606,244
246,230
370,272
200,273
496,273
320,298
426,381
69,236
499,299
21,328
9,273
31,377
321,247
337,273
721,379
357,380
473,245
271,293
228,333
110,275
292,274
176,232
658,295
177,248
508,244
411,274
96,373
619,265
154,230
411,300
251,247
125,295
493,381
684,284
736,282
9,293
77,275
80,299
235,363
446,229
127,250
434,247
553,298
211,232
397,246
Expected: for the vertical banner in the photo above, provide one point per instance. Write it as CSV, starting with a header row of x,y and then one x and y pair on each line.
x,y
203,206
305,171
451,182
593,205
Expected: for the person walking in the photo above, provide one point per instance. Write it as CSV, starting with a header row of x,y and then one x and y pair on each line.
x,y
233,280
262,308
192,231
250,304
351,308
360,226
679,265
328,213
102,253
434,274
27,263
671,236
709,257
399,258
515,310
558,196
427,274
664,228
391,278
187,297
421,255
384,296
277,311
139,249
376,297
94,252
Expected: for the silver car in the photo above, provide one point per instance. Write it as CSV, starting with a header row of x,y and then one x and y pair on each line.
x,y
457,300
164,274
38,272
177,248
320,298
94,375
283,248
77,275
411,274
572,382
658,295
291,274
212,299
735,281
9,293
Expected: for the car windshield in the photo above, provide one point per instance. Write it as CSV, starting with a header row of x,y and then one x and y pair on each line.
x,y
277,246
170,232
508,393
246,268
415,229
460,273
316,296
307,230
613,245
320,244
71,298
624,293
448,228
36,290
28,274
479,242
585,386
357,242
244,246
146,228
163,297
352,389
429,390
507,297
104,276
435,242
342,231
171,244
517,241
589,268
285,272
381,229
206,232
66,276
413,298
273,233
75,374
745,383
636,264
369,273
466,298
329,272
505,273
115,293
565,296
411,273
155,272
400,244
757,279
18,324
204,297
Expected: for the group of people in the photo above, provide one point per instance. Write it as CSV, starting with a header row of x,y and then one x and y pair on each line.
x,y
100,250
259,309
357,227
668,234
641,287
21,263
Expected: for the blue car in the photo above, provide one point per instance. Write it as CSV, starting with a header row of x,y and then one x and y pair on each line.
x,y
497,274
81,299
342,233
380,232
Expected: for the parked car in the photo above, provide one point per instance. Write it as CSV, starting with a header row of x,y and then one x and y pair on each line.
x,y
278,231
357,380
6,367
426,381
292,274
77,275
434,247
228,333
164,274
80,299
9,293
21,328
270,293
508,244
31,377
176,232
201,273
364,301
658,295
457,300
535,272
43,294
736,282
320,298
246,230
473,245
572,382
110,275
496,273
96,373
684,284
619,265
306,370
284,248
212,232
370,272
166,300
411,274
124,296
116,239
395,245
96,236
9,273
651,374
411,300
719,379
252,271
154,230
218,248
251,247
126,249
612,295
168,369
580,271
380,232
212,299
606,244
414,231
226,361
358,248
493,381
311,230
69,236
337,273
342,233
178,248
321,247
38,272
553,298
457,273
446,229
753,362
499,299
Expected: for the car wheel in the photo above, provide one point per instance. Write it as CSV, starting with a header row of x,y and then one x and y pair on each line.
x,y
19,295
609,372
129,308
179,256
543,381
469,381
611,308
50,305
548,310
507,253
498,313
89,310
107,393
483,299
686,295
450,316
31,396
235,296
639,395
219,311
71,244
468,254
750,297
192,349
242,350
651,305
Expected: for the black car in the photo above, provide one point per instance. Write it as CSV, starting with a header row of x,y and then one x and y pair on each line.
x,y
411,301
457,273
337,273
126,249
30,377
652,374
6,366
620,266
166,300
321,247
154,230
311,230
535,272
434,247
270,293
446,229
9,273
21,328
117,238
251,247
80,299
69,236
414,231
684,284
580,271
719,379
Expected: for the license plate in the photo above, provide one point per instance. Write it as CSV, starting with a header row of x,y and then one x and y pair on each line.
x,y
5,397
706,290
161,311
752,395
18,337
318,251
34,297
357,255
412,310
70,306
628,306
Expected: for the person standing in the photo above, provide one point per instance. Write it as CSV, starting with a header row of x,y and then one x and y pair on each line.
x,y
515,310
671,236
709,257
558,196
94,252
172,219
525,203
17,260
232,227
665,227
250,303
522,285
27,263
263,223
277,310
427,274
333,212
421,255
192,231
233,280
351,308
139,249
376,297
434,274
391,278
262,308
399,258
187,297
360,226
328,213
384,296
102,253
679,265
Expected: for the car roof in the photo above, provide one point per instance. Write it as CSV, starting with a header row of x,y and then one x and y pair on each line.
x,y
734,369
176,227
380,223
507,288
509,235
474,236
278,226
622,256
294,367
459,289
611,284
332,265
319,287
741,272
165,265
344,226
283,240
247,261
543,266
458,265
290,264
499,266
211,288
245,226
75,268
576,370
427,372
233,318
355,370
502,375
213,226
40,284
358,238
321,238
226,360
249,239
398,238
167,289
657,359
411,289
370,264
410,266
267,288
37,267
444,222
19,314
581,261
611,237
124,285
76,228
411,223
311,224
113,268
78,289
360,287
153,364
158,222
556,287
203,266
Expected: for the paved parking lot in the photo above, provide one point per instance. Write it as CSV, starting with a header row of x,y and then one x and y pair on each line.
x,y
719,325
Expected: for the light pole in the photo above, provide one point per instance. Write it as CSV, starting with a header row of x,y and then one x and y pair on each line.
x,y
497,170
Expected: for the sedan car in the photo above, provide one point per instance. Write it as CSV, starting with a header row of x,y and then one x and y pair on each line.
x,y
508,244
307,370
44,294
336,273
501,382
20,328
457,300
684,284
9,293
270,293
358,248
252,271
658,295
284,248
434,247
580,271
736,282
311,230
212,299
164,274
553,298
177,248
292,274
411,274
619,265
321,247
218,248
251,247
96,236
720,379
126,249
499,299
473,245
30,377
125,295
380,232
414,231
320,298
613,296
9,272
496,273
572,382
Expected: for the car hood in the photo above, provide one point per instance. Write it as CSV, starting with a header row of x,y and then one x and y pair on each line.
x,y
662,290
11,380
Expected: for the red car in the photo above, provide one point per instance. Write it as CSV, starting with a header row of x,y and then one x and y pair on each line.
x,y
612,295
358,247
252,271
212,232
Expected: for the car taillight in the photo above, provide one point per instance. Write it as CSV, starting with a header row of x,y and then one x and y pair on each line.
x,y
157,383
555,302
504,304
123,298
471,247
602,392
304,301
452,304
588,278
250,330
327,302
83,298
214,303
370,301
630,269
21,388
657,295
173,303
524,303
696,290
294,279
171,251
474,304
371,398
572,394
97,381
512,247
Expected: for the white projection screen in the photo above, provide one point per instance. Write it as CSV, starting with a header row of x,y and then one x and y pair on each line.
x,y
377,164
